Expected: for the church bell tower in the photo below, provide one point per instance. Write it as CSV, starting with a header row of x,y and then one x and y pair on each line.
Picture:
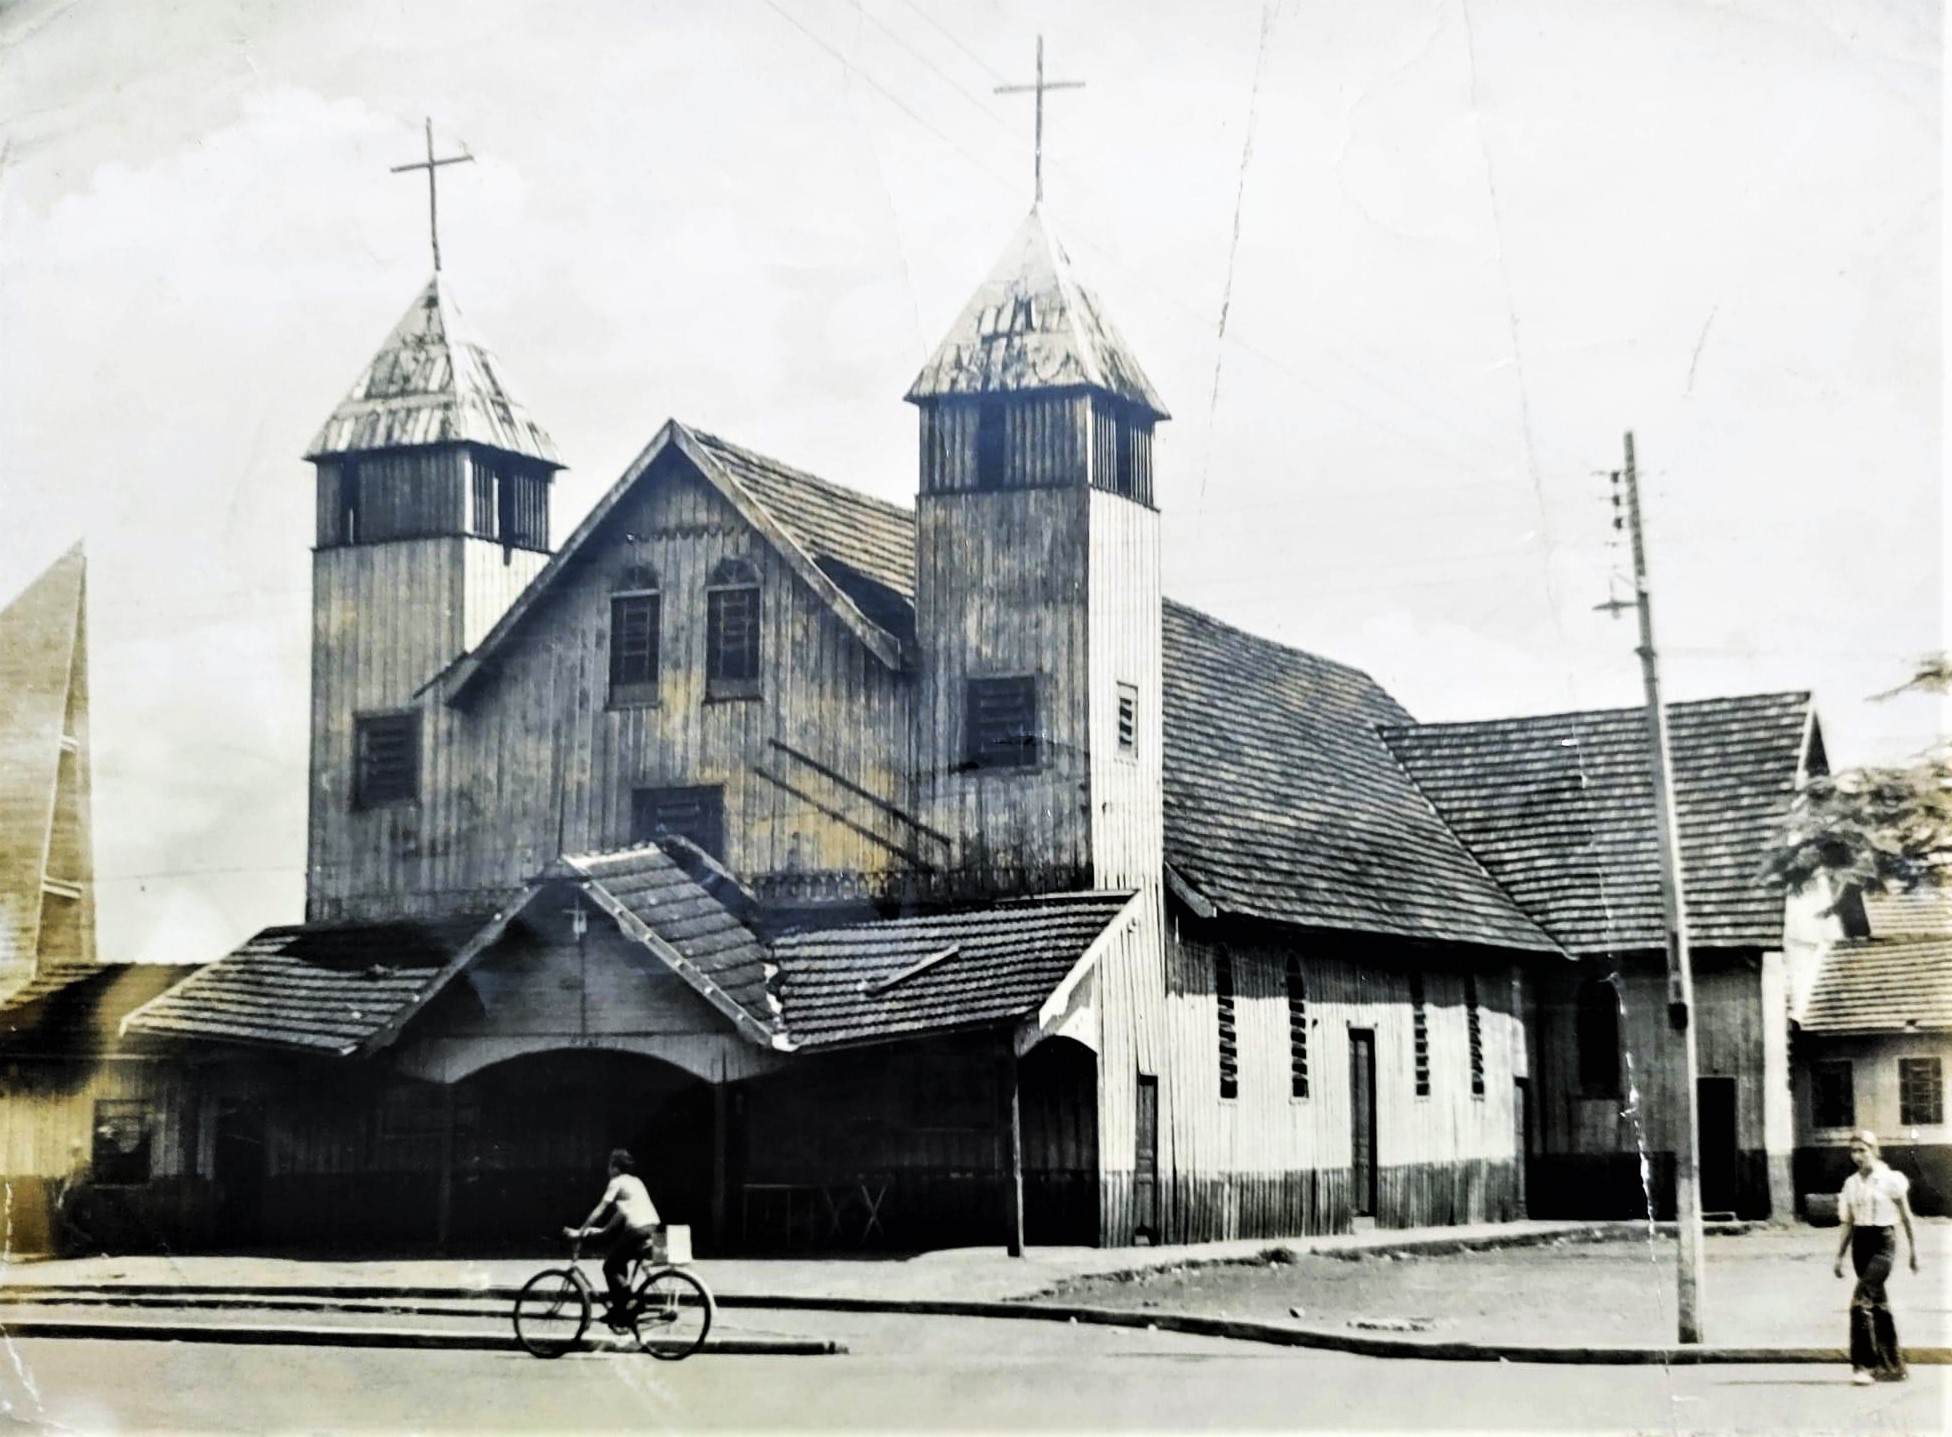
x,y
433,515
1037,588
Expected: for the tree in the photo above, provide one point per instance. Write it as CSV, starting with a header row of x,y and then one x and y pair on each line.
x,y
1876,829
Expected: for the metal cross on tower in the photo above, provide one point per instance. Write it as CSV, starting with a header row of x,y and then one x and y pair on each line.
x,y
430,164
1038,87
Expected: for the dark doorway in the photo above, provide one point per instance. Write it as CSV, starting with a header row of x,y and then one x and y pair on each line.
x,y
239,1169
1057,1094
1521,1150
1145,1162
1362,1121
1720,1162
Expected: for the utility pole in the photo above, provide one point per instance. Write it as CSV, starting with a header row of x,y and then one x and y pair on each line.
x,y
1674,911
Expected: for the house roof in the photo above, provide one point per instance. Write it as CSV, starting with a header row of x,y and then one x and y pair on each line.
x,y
325,988
658,903
432,383
845,546
1883,985
1032,325
1923,912
1283,803
1560,809
872,982
343,989
41,638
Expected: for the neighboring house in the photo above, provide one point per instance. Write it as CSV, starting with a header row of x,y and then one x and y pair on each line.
x,y
84,1136
1873,1048
1559,809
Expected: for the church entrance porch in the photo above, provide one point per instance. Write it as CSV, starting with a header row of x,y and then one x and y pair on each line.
x,y
533,1135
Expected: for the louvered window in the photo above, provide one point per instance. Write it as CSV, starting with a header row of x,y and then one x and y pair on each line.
x,y
1223,992
1297,1031
1419,1036
992,445
1833,1100
1597,1036
1474,1030
636,615
1003,723
732,631
1921,1092
694,813
386,759
1128,720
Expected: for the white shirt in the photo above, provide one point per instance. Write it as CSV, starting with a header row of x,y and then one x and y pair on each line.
x,y
631,1200
1873,1201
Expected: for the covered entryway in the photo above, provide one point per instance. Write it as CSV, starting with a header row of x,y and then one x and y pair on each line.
x,y
1058,1091
533,1135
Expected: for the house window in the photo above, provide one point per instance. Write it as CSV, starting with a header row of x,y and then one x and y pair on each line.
x,y
522,511
1921,1093
636,611
992,444
1297,1031
1474,1029
696,813
1128,720
1833,1100
1223,992
1596,1023
1003,723
732,631
386,759
124,1129
1419,1037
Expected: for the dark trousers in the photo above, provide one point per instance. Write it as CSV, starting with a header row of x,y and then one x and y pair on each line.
x,y
1873,1335
625,1243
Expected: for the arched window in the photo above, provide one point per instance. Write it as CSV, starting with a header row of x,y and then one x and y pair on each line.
x,y
732,631
1597,1036
636,618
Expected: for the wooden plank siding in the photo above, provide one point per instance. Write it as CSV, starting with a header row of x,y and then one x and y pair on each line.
x,y
1588,1150
1043,442
1123,642
789,827
1268,1163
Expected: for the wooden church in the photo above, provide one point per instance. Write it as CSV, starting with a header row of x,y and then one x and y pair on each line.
x,y
879,876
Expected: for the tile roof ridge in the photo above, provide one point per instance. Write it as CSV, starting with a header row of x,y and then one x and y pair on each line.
x,y
1340,665
719,441
1801,697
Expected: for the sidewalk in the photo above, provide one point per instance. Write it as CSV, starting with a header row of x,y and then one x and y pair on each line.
x,y
965,1274
1551,1291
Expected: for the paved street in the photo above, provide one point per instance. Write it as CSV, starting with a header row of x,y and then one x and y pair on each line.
x,y
905,1372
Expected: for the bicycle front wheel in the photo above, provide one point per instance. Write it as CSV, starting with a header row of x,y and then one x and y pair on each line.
x,y
671,1313
551,1313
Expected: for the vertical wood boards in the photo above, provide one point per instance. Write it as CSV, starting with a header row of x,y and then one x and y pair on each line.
x,y
541,763
1123,636
1267,1162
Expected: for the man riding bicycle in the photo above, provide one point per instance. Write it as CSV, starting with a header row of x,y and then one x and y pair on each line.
x,y
624,1221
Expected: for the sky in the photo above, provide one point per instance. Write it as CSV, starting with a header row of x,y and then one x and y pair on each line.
x,y
1405,272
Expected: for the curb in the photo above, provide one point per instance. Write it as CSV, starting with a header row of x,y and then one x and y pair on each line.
x,y
375,1337
1275,1334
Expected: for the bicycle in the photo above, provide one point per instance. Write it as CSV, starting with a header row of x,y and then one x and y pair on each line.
x,y
668,1309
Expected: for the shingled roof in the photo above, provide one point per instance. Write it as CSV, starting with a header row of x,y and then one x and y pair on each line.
x,y
328,989
1032,325
1883,985
872,982
430,383
1282,802
1560,809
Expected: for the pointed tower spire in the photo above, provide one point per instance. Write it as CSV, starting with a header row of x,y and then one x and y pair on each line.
x,y
1032,325
47,902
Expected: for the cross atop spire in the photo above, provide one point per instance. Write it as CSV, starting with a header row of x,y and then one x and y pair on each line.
x,y
1038,87
430,164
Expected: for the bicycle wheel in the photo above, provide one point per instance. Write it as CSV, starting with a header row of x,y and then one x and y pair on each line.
x,y
551,1313
671,1312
